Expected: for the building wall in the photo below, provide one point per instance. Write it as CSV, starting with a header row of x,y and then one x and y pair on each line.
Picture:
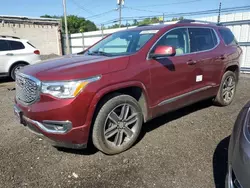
x,y
44,37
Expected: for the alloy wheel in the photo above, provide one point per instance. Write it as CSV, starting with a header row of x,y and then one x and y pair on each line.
x,y
121,125
228,89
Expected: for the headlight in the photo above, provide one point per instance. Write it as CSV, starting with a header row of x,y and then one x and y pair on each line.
x,y
66,89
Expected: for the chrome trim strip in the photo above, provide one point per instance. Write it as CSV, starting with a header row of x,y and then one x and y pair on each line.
x,y
43,128
183,95
187,27
246,125
229,178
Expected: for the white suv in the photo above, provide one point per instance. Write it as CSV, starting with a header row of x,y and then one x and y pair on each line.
x,y
16,53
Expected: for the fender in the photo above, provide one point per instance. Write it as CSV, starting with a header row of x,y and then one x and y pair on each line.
x,y
112,88
227,66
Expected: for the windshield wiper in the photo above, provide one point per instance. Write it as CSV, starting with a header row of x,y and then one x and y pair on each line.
x,y
99,53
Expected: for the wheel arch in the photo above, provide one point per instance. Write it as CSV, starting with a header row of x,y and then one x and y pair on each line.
x,y
234,68
16,63
134,89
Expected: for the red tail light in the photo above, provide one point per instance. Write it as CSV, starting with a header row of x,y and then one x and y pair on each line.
x,y
37,52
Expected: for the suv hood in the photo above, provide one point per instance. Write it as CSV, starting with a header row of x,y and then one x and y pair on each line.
x,y
76,67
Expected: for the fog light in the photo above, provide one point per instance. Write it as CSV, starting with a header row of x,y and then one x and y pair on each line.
x,y
60,126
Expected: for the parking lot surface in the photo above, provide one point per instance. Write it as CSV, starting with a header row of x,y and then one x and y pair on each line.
x,y
183,149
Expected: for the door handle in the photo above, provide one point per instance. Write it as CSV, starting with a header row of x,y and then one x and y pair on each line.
x,y
9,54
191,62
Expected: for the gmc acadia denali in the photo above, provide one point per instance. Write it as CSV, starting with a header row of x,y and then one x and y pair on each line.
x,y
105,94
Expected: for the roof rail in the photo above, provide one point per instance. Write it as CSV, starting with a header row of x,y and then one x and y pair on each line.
x,y
197,21
6,36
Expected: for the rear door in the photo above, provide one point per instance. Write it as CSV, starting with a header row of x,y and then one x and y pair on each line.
x,y
207,58
17,48
5,55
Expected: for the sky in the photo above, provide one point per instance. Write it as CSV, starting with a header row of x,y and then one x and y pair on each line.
x,y
90,8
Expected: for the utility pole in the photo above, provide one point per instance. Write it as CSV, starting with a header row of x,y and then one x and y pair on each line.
x,y
120,4
219,13
66,26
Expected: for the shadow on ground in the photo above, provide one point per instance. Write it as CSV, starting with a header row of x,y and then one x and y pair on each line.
x,y
90,150
5,80
220,160
151,125
157,122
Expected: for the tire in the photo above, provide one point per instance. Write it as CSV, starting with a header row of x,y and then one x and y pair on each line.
x,y
110,132
16,68
220,98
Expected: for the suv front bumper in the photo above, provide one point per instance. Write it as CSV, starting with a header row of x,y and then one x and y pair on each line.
x,y
61,133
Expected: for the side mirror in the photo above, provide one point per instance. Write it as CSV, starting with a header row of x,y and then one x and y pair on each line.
x,y
163,51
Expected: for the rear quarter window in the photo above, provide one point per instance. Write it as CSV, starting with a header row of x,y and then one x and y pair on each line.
x,y
228,37
15,45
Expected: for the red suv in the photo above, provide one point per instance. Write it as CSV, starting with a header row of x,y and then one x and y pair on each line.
x,y
106,93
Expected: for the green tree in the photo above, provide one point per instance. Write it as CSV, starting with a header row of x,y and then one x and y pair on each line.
x,y
75,24
135,22
176,19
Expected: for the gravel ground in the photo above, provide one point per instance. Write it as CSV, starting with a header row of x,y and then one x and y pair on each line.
x,y
187,148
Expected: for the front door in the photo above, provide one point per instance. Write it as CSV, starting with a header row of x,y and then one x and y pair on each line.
x,y
171,77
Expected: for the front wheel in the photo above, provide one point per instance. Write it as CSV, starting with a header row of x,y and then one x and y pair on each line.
x,y
117,125
227,89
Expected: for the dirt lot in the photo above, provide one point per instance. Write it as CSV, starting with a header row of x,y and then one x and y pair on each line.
x,y
187,148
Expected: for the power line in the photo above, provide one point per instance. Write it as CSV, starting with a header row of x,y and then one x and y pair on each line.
x,y
183,2
81,7
225,10
141,9
101,14
212,11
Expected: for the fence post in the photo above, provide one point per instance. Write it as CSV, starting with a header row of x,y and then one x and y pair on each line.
x,y
83,46
102,30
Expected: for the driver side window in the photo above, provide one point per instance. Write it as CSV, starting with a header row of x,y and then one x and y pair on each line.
x,y
177,38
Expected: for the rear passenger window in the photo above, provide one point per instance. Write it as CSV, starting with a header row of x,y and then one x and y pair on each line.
x,y
228,37
15,45
4,45
202,39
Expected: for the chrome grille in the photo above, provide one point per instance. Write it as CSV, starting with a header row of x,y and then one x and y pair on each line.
x,y
27,89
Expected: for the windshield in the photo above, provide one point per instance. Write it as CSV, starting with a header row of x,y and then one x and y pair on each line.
x,y
122,43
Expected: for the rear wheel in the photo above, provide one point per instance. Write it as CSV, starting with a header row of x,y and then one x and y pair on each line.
x,y
16,69
227,89
117,125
